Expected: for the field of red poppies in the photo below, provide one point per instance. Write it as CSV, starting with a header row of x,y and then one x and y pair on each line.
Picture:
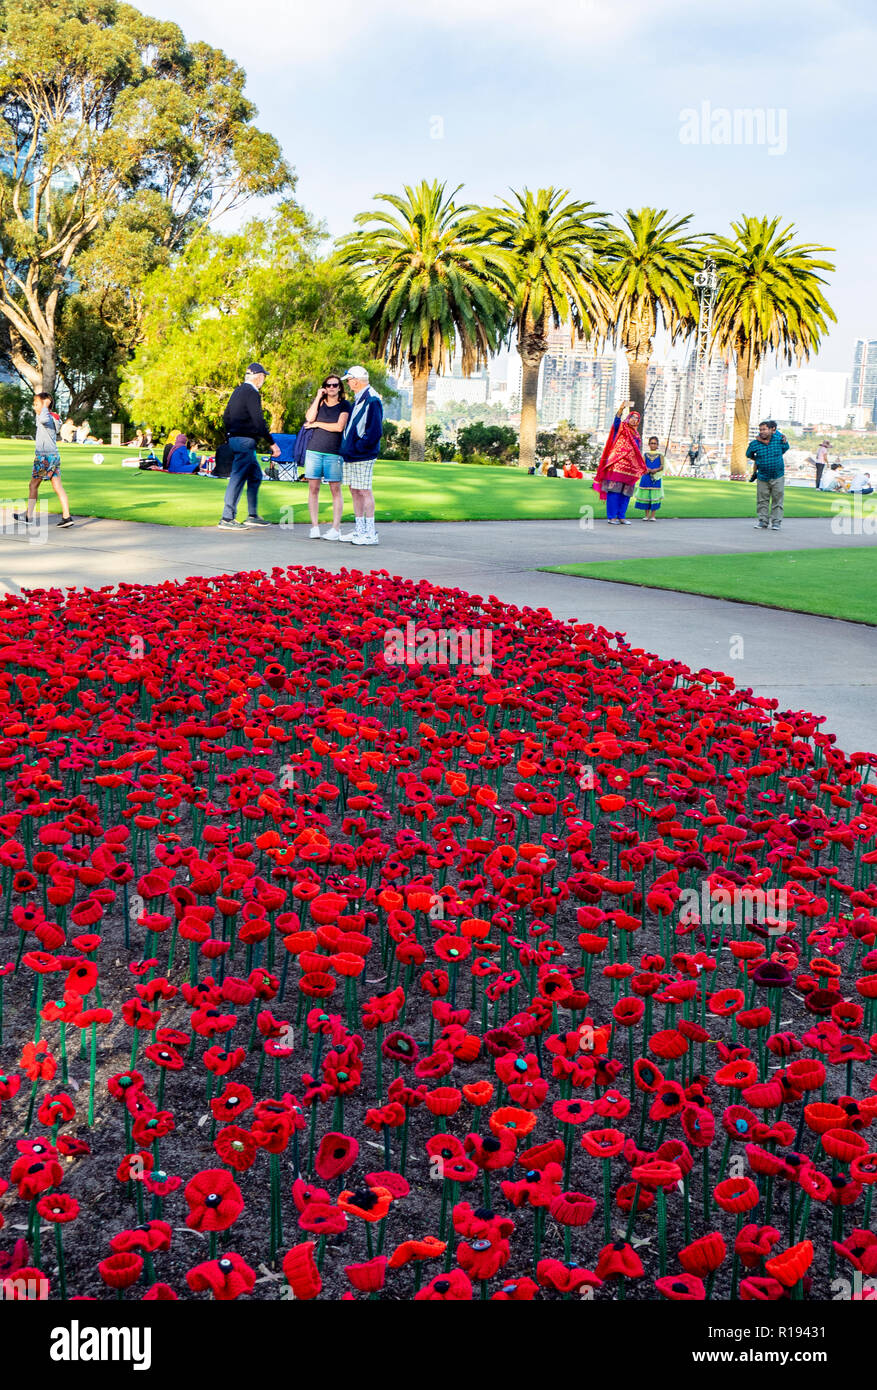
x,y
330,972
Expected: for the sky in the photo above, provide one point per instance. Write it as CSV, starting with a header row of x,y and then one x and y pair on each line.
x,y
623,102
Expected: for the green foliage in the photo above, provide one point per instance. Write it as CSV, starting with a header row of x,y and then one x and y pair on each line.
x,y
652,263
430,288
488,461
400,442
770,297
16,410
564,444
454,414
102,107
397,442
545,252
427,282
260,293
491,441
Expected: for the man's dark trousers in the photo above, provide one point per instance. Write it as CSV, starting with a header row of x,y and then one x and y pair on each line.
x,y
245,469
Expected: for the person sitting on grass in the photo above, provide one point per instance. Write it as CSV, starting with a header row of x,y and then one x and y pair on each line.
x,y
85,436
650,486
831,479
47,461
862,483
179,460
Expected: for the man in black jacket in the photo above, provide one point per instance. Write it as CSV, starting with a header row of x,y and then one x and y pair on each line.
x,y
245,425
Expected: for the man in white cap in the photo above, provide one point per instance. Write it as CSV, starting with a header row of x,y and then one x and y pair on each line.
x,y
360,445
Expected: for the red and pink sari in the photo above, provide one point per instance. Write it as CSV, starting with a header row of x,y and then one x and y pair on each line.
x,y
622,458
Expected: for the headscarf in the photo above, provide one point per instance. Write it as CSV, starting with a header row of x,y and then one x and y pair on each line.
x,y
180,440
622,457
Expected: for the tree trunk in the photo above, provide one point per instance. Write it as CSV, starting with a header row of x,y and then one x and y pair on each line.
x,y
742,411
28,369
637,372
48,365
417,449
530,363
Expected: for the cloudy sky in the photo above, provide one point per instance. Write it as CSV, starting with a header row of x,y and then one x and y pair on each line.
x,y
613,99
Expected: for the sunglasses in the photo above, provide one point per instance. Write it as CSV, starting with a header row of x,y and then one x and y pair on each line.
x,y
333,385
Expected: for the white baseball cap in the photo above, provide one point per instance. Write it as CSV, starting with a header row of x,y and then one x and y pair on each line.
x,y
355,374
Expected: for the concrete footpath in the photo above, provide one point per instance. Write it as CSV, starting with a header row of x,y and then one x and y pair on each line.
x,y
809,663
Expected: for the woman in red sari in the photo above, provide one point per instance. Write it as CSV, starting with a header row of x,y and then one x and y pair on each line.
x,y
621,465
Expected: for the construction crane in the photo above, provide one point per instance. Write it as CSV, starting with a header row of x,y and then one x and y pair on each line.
x,y
706,283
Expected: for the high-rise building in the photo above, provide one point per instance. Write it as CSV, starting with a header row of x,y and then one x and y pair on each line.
x,y
806,397
575,383
454,386
863,381
399,406
670,400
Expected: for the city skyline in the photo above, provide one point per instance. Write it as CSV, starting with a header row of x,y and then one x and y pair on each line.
x,y
582,386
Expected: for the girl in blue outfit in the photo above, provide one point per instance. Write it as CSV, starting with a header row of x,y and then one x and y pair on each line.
x,y
650,488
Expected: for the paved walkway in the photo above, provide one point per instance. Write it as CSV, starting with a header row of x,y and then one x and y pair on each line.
x,y
809,663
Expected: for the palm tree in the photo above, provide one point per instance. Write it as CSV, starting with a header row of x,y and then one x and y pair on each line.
x,y
769,300
546,264
427,287
652,268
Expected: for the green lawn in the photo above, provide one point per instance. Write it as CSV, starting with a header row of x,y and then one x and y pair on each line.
x,y
834,583
403,491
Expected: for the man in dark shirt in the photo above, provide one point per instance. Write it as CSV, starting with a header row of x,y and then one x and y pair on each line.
x,y
245,424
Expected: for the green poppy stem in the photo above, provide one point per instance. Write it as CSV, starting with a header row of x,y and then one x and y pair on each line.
x,y
607,1200
92,1068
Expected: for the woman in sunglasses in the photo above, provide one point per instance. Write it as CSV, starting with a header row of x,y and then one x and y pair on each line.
x,y
326,418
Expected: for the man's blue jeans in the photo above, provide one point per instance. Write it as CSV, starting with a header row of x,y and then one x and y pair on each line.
x,y
244,469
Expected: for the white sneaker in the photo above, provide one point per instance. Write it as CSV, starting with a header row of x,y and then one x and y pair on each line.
x,y
315,534
365,538
333,534
346,535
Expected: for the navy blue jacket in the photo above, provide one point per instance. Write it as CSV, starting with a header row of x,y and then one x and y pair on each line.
x,y
368,444
301,446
